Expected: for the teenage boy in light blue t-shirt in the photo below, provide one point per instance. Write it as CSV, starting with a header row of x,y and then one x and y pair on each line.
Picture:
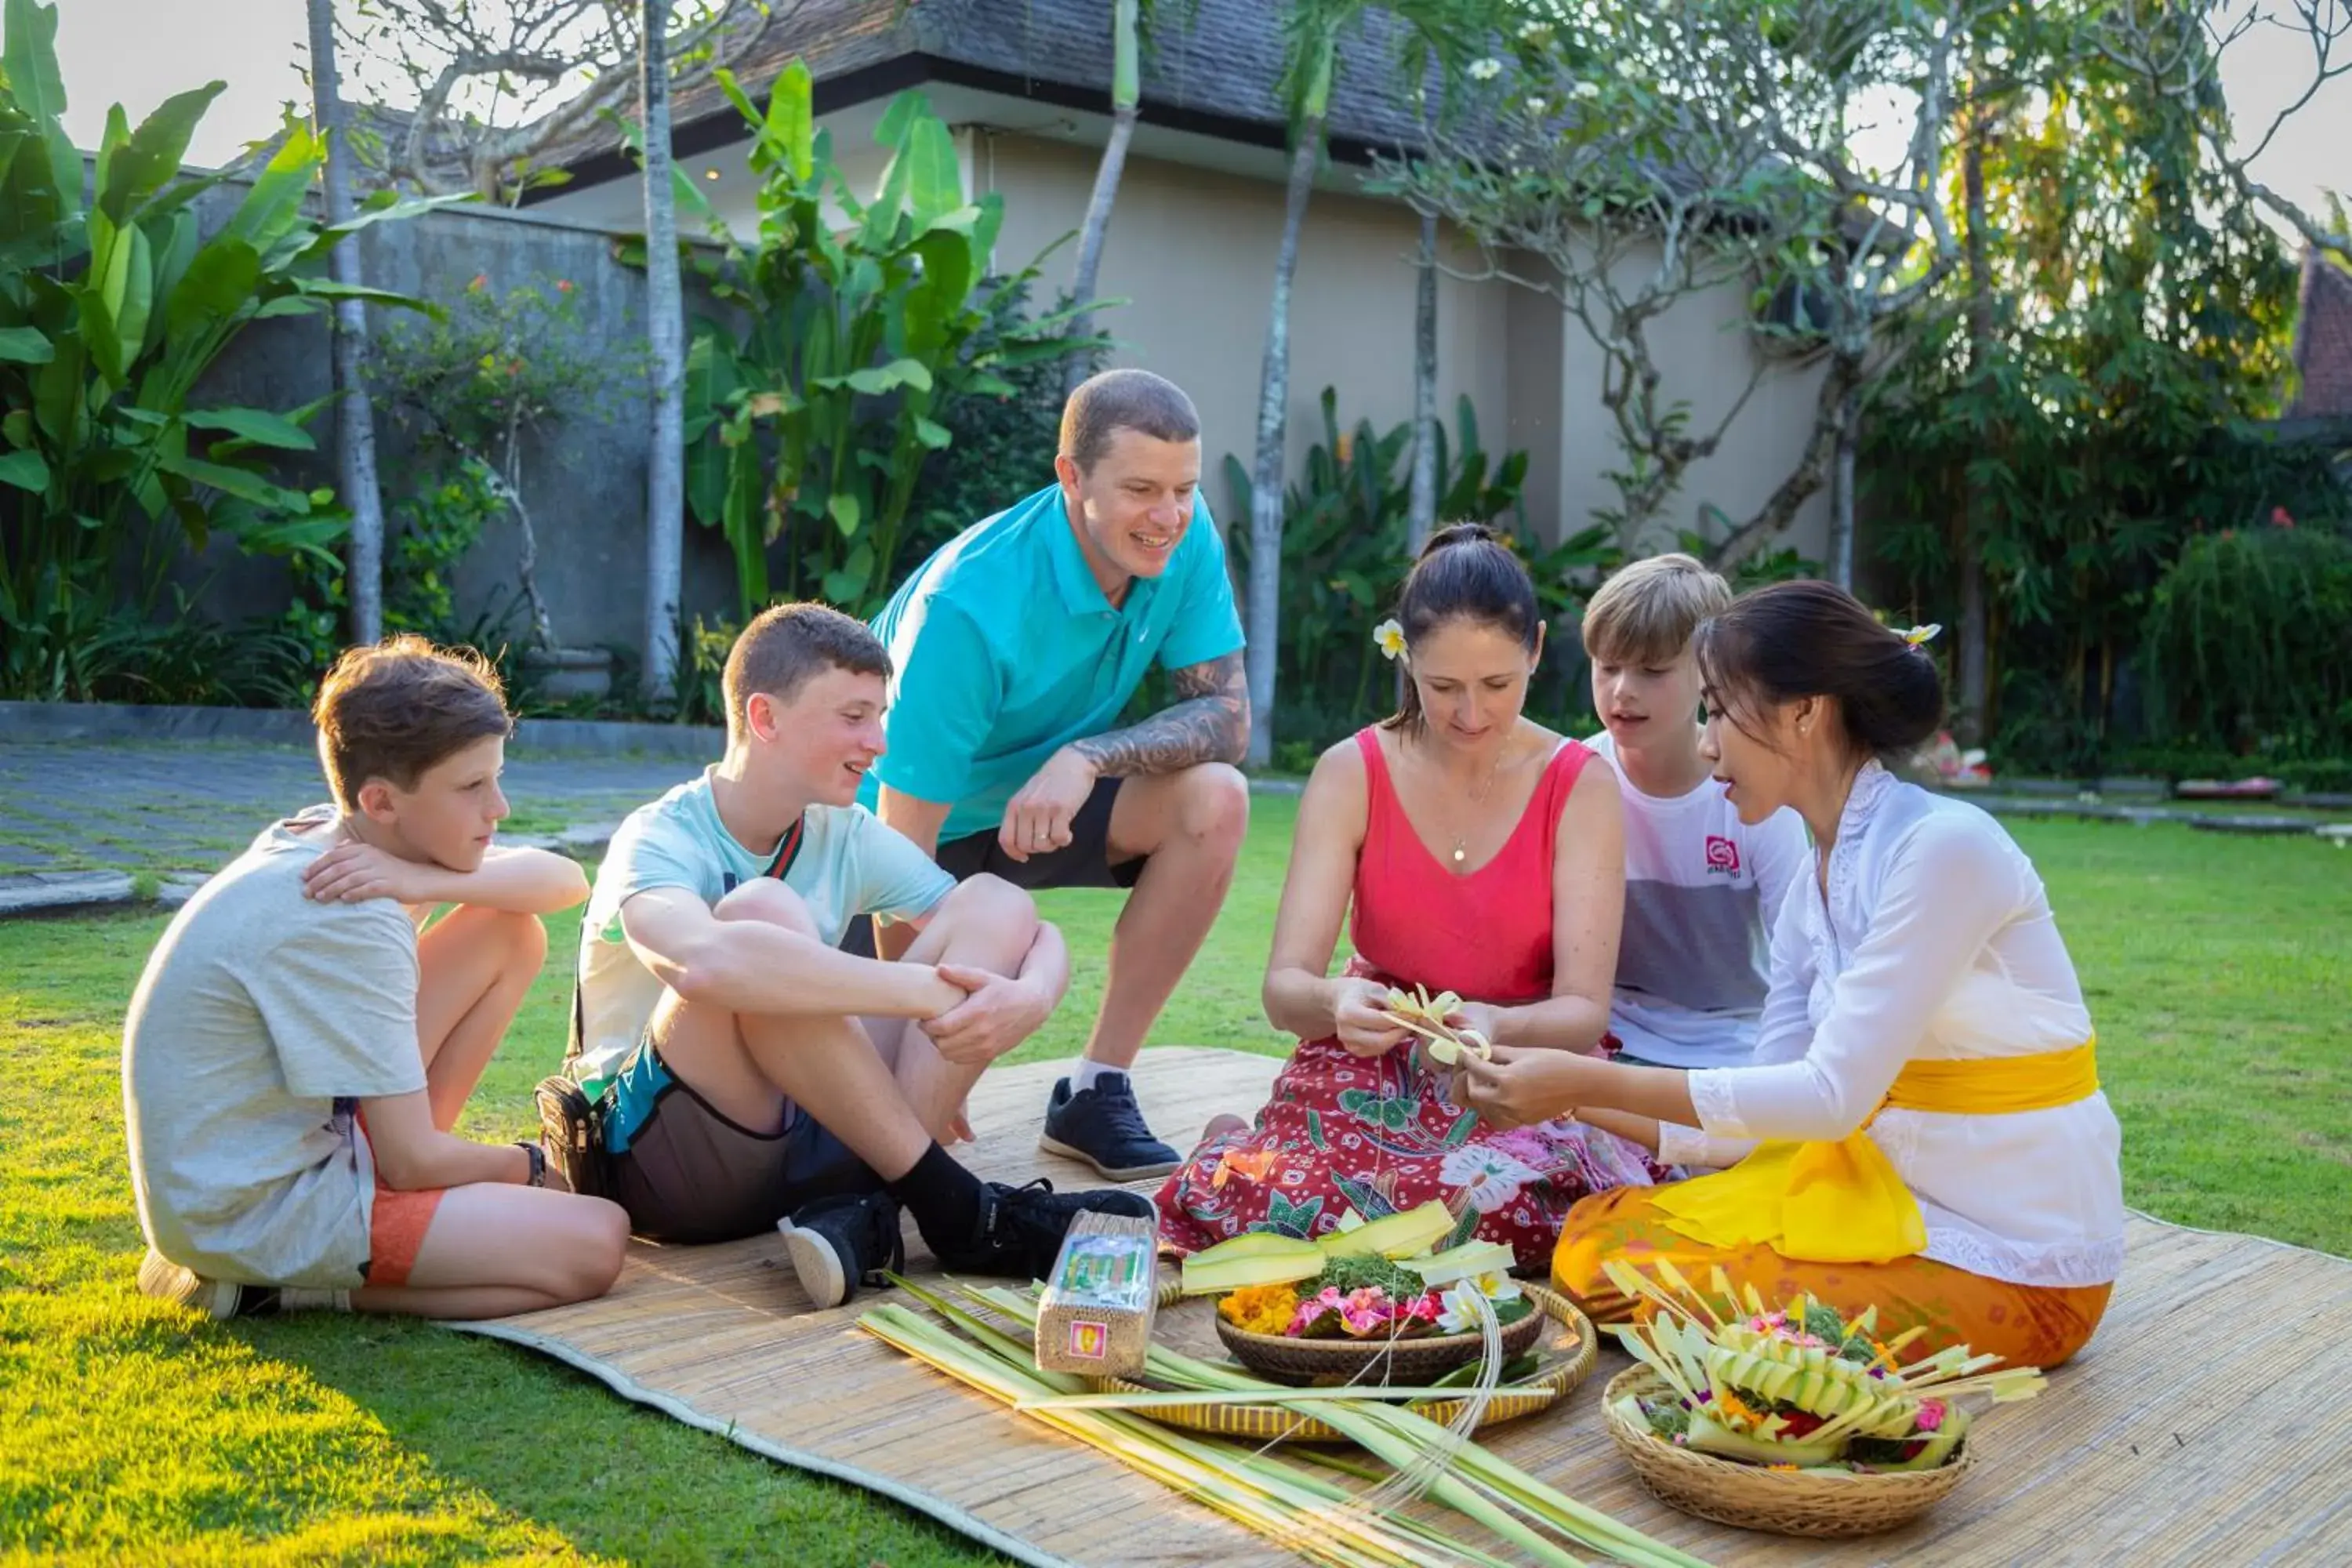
x,y
732,1068
1019,644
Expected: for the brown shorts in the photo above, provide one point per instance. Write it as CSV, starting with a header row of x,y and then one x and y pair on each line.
x,y
688,1175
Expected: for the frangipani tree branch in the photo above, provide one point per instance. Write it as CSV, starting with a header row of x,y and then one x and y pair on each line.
x,y
2178,50
501,83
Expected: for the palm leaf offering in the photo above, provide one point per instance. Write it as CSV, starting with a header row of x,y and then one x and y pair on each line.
x,y
1798,1387
1425,1015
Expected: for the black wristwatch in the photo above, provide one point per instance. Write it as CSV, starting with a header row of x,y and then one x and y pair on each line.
x,y
537,1161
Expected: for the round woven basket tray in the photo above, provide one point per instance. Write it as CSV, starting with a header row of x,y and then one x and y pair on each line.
x,y
1559,1334
1281,1359
1785,1502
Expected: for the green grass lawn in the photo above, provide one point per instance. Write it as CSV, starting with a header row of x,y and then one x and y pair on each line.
x,y
2216,967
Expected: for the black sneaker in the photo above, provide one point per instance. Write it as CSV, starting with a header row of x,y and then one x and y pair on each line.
x,y
571,1136
1103,1126
1021,1228
838,1244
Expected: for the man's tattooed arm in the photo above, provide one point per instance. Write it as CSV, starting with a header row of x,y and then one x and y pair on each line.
x,y
1208,722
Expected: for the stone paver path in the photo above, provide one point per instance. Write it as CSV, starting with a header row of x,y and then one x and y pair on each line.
x,y
99,822
176,806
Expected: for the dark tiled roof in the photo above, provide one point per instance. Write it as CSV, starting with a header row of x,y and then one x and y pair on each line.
x,y
2323,341
1218,69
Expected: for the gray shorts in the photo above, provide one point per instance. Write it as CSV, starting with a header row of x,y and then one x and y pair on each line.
x,y
686,1173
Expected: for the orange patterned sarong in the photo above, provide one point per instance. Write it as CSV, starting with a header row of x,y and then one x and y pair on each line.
x,y
2026,1325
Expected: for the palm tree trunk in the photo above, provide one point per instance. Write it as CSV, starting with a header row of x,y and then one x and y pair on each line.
x,y
1975,523
1421,516
1841,492
665,336
1264,618
354,415
1126,93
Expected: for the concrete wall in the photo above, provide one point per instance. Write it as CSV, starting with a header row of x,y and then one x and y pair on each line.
x,y
1192,250
584,477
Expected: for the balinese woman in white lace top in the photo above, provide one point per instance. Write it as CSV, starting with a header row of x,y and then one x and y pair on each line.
x,y
1922,1129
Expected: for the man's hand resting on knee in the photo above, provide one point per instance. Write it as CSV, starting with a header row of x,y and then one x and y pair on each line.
x,y
997,1012
1037,818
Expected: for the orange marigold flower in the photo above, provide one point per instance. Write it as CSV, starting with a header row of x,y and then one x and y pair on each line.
x,y
1260,1308
1731,1406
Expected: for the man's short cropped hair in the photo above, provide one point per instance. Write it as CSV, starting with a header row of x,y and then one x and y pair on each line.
x,y
1118,400
393,709
1647,612
786,644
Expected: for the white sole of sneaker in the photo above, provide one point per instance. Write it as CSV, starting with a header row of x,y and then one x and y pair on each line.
x,y
1109,1172
816,1265
167,1281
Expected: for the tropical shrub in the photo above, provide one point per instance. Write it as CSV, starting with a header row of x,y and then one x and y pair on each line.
x,y
1343,547
2249,643
856,328
110,311
1004,441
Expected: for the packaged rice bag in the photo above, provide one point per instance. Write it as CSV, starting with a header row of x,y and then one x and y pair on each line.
x,y
1095,1317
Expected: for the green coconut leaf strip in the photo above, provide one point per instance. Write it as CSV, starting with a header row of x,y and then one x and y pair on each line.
x,y
1297,1512
1364,1393
1398,1437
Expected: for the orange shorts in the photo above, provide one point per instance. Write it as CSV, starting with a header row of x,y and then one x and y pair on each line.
x,y
396,1228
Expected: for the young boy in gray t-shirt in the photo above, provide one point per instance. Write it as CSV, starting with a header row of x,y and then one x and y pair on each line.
x,y
302,1042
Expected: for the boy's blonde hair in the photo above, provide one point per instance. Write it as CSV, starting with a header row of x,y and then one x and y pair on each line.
x,y
1647,612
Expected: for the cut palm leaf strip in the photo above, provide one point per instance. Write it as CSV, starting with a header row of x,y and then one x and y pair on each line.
x,y
1368,1393
1476,1484
1305,1513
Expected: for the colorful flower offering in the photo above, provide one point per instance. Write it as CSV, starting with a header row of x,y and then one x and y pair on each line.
x,y
1798,1387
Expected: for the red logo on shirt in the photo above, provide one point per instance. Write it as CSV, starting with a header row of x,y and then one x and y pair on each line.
x,y
1722,854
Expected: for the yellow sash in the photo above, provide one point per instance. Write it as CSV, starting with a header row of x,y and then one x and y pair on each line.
x,y
1842,1202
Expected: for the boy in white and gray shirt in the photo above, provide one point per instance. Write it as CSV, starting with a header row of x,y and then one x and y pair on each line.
x,y
1701,889
299,1048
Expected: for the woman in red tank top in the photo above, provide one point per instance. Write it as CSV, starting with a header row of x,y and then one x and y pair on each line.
x,y
1482,856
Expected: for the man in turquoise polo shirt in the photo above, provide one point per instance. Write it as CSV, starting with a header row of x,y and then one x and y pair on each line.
x,y
1017,646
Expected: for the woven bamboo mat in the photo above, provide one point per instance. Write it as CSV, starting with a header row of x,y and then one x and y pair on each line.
x,y
2206,1423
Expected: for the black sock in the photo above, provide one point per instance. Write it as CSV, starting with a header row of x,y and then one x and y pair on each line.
x,y
944,1199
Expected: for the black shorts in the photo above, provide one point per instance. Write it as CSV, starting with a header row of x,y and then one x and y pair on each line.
x,y
686,1173
1083,862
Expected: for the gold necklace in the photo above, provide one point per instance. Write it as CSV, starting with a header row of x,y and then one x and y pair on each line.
x,y
1460,841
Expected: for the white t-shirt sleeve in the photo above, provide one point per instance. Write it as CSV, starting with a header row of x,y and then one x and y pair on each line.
x,y
338,996
1945,893
895,878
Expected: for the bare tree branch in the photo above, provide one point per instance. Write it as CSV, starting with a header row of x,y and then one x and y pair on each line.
x,y
1655,152
2175,51
501,87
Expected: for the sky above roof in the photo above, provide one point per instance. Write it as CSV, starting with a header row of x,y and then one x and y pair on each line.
x,y
140,52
